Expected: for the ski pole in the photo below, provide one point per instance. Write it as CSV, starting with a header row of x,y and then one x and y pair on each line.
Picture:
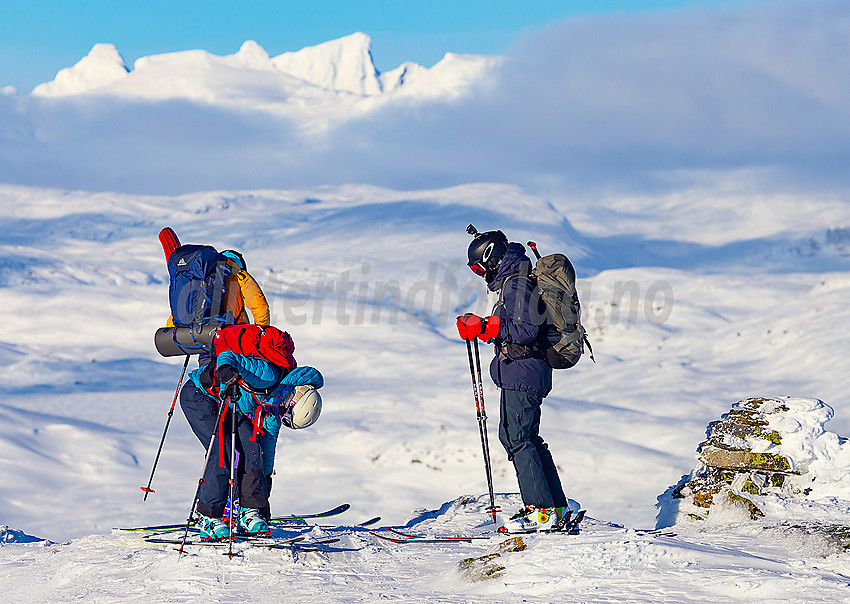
x,y
493,506
478,393
148,488
232,477
221,409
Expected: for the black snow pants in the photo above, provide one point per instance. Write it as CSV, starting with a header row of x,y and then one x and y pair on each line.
x,y
519,425
201,411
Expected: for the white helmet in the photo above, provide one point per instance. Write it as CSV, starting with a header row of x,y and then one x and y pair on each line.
x,y
301,407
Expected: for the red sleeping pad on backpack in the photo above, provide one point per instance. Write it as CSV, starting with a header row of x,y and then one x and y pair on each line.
x,y
168,239
268,343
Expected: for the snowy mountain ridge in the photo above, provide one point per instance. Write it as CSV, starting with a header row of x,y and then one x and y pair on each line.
x,y
342,67
345,64
103,65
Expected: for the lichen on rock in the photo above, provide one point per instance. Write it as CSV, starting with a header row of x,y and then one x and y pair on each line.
x,y
761,456
490,565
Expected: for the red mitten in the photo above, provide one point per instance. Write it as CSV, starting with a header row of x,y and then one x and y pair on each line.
x,y
461,328
491,329
469,326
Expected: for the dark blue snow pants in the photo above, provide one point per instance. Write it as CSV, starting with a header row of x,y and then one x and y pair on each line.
x,y
519,424
202,411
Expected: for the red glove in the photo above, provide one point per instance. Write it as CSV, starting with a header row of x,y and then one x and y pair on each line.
x,y
470,326
491,329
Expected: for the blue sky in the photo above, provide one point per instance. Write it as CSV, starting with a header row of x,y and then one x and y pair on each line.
x,y
40,37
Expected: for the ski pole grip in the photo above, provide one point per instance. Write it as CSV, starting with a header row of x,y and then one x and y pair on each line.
x,y
533,247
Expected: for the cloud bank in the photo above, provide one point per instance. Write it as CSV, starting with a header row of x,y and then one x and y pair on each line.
x,y
622,100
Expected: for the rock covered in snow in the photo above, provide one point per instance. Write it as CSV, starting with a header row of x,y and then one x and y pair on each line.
x,y
10,535
764,457
101,67
491,564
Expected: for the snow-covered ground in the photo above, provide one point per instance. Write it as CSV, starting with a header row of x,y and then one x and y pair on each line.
x,y
603,564
758,308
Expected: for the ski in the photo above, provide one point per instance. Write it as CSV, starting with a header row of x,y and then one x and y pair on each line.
x,y
161,528
259,541
655,532
224,542
331,512
274,526
422,539
409,536
571,526
366,523
287,543
284,527
370,522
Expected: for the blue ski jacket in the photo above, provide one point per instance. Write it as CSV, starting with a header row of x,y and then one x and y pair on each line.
x,y
259,374
521,313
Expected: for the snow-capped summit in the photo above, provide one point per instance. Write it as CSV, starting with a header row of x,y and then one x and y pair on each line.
x,y
394,78
345,64
448,79
101,67
253,56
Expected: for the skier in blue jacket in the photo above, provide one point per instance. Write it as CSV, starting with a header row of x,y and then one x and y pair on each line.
x,y
521,371
264,398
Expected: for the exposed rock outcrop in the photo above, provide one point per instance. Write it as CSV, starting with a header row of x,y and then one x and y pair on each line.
x,y
768,459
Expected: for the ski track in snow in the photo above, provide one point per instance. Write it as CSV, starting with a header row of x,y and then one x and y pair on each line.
x,y
762,311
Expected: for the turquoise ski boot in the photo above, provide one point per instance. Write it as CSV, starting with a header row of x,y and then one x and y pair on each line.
x,y
251,523
213,529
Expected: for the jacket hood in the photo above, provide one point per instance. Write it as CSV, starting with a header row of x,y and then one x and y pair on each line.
x,y
514,261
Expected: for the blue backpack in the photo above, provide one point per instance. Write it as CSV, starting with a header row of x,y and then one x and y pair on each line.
x,y
196,290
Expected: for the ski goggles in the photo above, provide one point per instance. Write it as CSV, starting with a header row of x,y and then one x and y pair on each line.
x,y
478,269
286,413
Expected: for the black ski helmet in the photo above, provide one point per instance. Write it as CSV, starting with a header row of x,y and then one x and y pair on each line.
x,y
486,252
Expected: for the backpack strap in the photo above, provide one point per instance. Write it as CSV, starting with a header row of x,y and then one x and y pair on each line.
x,y
516,275
218,301
257,420
513,351
587,343
221,456
268,389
